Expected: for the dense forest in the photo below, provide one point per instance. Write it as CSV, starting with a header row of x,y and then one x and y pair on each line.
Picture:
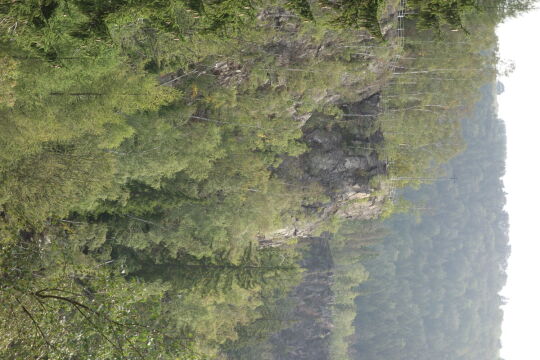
x,y
199,179
433,290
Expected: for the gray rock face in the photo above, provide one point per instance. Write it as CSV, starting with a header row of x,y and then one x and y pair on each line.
x,y
343,156
352,163
342,159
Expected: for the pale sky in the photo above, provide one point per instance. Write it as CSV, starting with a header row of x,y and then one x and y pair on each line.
x,y
519,107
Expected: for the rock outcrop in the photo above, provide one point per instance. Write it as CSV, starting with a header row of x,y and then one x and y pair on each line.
x,y
342,159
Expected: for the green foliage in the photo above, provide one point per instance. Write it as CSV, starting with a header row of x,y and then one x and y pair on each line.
x,y
58,303
433,14
302,7
107,167
70,298
8,81
432,90
358,14
176,167
434,288
142,144
349,249
438,15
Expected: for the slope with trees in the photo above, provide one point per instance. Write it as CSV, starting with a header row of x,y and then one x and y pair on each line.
x,y
434,288
160,158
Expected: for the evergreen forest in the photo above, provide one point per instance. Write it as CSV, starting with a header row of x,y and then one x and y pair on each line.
x,y
239,179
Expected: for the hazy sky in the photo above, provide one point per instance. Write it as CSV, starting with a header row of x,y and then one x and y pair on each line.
x,y
519,107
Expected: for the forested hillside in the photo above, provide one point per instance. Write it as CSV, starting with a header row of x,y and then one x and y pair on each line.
x,y
138,173
433,288
170,169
